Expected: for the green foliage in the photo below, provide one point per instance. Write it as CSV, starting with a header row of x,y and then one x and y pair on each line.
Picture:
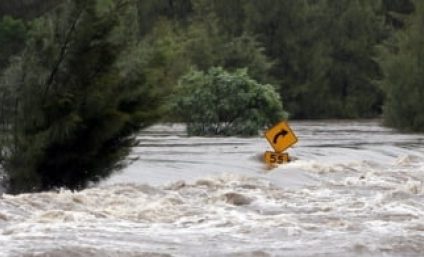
x,y
77,82
223,103
208,44
78,100
153,11
324,52
320,53
396,11
403,83
230,15
27,9
348,47
12,38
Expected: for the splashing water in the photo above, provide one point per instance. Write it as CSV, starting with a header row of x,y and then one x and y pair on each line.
x,y
355,190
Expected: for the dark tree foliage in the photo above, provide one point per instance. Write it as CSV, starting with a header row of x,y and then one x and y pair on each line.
x,y
349,33
12,38
403,65
280,26
77,101
208,45
27,9
324,54
231,16
152,11
321,54
395,12
79,77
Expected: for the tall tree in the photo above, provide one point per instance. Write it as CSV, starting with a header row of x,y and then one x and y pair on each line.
x,y
283,28
349,33
403,84
78,97
209,43
324,53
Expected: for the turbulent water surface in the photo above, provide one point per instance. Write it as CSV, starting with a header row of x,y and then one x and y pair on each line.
x,y
355,190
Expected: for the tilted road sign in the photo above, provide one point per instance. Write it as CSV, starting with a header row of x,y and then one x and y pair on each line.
x,y
281,137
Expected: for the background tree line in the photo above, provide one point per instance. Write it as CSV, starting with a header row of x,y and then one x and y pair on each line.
x,y
80,77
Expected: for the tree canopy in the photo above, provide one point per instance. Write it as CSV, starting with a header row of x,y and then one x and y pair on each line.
x,y
403,64
222,103
79,78
76,99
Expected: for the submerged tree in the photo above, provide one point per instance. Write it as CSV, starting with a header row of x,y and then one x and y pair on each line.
x,y
223,103
79,97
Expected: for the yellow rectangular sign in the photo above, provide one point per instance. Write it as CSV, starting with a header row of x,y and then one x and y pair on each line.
x,y
276,158
281,137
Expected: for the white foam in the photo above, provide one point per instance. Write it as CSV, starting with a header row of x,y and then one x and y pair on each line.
x,y
355,190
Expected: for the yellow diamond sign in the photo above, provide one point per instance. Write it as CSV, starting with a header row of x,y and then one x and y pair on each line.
x,y
281,137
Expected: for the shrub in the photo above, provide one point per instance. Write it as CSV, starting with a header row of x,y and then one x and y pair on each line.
x,y
223,103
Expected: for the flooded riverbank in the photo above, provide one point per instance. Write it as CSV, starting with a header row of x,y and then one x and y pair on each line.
x,y
355,190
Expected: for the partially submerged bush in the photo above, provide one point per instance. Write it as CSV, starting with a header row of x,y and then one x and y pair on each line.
x,y
223,103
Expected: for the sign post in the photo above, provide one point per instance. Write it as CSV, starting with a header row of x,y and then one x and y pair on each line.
x,y
280,137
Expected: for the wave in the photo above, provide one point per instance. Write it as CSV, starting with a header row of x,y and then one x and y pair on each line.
x,y
223,201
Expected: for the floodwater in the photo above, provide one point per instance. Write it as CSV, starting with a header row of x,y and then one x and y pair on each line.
x,y
356,189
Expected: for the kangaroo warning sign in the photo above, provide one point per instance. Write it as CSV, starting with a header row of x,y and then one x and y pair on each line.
x,y
281,137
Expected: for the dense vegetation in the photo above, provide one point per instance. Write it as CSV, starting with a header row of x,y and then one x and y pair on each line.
x,y
222,103
80,77
403,63
75,95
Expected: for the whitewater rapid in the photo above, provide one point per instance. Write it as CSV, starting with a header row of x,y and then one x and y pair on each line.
x,y
355,190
